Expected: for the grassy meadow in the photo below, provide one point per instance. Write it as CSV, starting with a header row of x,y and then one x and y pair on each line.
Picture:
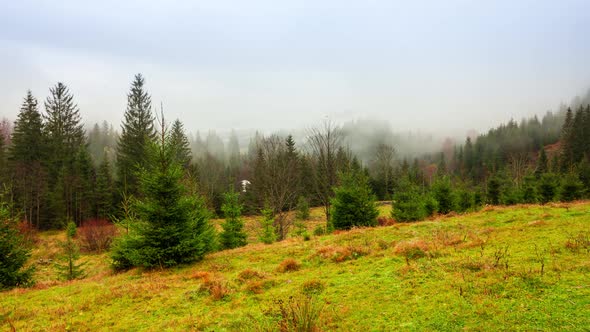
x,y
504,268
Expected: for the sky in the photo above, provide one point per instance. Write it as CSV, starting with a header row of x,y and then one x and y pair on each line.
x,y
438,66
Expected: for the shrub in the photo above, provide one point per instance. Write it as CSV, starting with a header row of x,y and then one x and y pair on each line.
x,y
29,233
411,250
249,274
301,313
319,230
289,265
96,235
465,201
313,287
385,221
216,287
547,187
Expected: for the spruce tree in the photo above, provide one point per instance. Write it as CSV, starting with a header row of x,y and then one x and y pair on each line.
x,y
104,190
547,187
567,154
542,164
65,137
180,142
353,204
494,190
173,226
267,233
408,203
14,253
25,157
442,191
233,234
67,266
137,133
571,188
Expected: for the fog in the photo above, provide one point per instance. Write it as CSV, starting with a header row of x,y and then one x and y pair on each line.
x,y
426,69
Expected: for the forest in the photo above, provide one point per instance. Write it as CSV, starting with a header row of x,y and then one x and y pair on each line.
x,y
161,185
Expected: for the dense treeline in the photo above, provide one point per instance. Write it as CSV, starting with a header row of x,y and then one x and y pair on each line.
x,y
145,175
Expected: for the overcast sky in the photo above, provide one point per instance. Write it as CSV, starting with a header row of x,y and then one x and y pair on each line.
x,y
428,65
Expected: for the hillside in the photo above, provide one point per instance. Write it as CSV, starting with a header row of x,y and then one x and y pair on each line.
x,y
519,268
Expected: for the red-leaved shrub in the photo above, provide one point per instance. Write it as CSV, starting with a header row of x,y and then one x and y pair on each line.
x,y
96,235
29,233
385,221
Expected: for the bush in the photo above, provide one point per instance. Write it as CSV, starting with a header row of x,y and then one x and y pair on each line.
x,y
353,203
313,287
96,235
289,265
465,201
29,233
300,313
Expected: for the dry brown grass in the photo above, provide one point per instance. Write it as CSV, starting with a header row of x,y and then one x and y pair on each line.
x,y
289,265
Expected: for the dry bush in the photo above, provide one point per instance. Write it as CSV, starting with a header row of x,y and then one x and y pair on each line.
x,y
576,242
258,286
313,287
289,265
300,313
29,233
339,254
215,286
249,274
412,250
201,275
385,221
96,235
447,238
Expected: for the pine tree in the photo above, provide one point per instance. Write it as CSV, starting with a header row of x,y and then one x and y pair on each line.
x,y
353,204
67,267
85,180
542,164
173,227
567,154
267,233
137,133
571,188
408,203
443,193
104,190
494,190
14,254
180,142
25,158
65,137
547,187
233,234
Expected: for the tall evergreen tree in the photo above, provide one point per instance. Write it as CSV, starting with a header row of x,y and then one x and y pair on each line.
x,y
65,137
567,153
137,133
25,157
542,164
180,142
104,190
173,227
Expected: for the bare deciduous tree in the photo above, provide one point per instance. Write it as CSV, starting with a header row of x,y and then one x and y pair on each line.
x,y
323,142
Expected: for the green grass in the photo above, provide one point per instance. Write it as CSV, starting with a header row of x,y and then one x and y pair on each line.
x,y
518,268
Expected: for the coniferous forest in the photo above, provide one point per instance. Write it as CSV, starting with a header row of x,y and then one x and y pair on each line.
x,y
162,185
